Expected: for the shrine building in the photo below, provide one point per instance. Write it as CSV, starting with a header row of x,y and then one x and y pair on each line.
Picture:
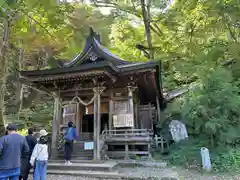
x,y
114,103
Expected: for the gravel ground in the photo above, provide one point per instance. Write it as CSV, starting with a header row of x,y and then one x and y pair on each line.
x,y
60,177
183,175
194,175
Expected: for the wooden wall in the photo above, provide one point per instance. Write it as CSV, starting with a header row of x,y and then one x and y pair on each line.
x,y
104,108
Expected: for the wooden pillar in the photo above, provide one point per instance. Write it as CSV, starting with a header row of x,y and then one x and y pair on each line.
x,y
136,117
78,120
95,125
55,126
98,124
149,151
158,109
130,103
130,100
110,113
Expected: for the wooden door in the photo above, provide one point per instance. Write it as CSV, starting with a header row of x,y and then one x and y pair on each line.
x,y
145,117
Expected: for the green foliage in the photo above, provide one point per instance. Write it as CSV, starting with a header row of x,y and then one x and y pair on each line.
x,y
226,160
38,116
213,109
185,153
211,113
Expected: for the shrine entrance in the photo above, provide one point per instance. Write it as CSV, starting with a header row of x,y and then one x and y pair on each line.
x,y
88,124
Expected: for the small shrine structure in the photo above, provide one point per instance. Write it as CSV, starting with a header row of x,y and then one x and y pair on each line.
x,y
114,103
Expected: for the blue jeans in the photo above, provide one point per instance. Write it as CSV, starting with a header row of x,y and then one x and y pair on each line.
x,y
10,174
40,172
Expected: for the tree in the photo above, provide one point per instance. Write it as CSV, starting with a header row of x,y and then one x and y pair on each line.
x,y
211,109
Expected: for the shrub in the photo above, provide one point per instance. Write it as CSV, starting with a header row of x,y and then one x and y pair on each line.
x,y
212,109
211,114
226,160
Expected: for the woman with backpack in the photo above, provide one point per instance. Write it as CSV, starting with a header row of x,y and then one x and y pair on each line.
x,y
69,137
39,158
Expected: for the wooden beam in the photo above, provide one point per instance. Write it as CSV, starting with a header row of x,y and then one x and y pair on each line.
x,y
65,76
112,77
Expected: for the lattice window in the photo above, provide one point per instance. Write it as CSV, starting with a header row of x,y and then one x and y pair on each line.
x,y
69,113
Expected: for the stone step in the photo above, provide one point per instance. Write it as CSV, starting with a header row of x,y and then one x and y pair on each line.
x,y
104,166
92,174
77,157
78,153
115,175
77,161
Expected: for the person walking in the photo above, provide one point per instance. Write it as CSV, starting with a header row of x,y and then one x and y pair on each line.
x,y
25,163
12,146
70,137
39,157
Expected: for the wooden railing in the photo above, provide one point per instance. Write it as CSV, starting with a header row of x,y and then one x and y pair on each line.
x,y
128,133
129,137
86,136
161,143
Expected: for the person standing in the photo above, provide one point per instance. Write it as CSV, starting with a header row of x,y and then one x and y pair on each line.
x,y
12,146
39,157
69,137
25,164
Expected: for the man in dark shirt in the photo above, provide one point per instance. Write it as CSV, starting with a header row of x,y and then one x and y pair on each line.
x,y
25,162
12,146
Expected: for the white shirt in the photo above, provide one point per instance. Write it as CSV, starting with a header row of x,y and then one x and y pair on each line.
x,y
40,152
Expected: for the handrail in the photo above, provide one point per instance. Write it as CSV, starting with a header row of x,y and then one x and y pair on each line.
x,y
128,133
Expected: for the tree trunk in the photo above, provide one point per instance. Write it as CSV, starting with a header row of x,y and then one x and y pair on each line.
x,y
19,88
3,74
145,5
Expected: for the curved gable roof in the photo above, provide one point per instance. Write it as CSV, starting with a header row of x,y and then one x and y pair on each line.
x,y
94,47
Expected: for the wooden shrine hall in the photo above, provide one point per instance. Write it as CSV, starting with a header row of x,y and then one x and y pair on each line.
x,y
113,103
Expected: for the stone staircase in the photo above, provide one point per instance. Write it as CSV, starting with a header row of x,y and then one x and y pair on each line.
x,y
112,170
81,165
99,169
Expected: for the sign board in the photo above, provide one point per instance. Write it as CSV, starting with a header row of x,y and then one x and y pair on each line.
x,y
123,120
88,146
120,107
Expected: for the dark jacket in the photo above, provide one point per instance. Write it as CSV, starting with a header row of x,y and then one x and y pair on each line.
x,y
12,147
32,141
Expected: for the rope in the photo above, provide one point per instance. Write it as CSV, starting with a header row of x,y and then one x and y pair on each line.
x,y
81,101
96,92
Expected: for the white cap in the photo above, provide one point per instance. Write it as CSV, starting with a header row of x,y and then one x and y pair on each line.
x,y
43,132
